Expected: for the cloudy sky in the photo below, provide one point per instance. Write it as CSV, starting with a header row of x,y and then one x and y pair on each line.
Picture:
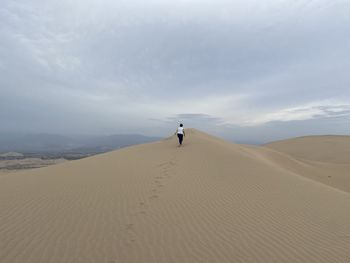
x,y
247,70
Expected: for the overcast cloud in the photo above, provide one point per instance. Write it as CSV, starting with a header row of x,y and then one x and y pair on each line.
x,y
247,70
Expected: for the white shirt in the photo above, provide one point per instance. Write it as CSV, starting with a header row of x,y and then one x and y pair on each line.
x,y
180,130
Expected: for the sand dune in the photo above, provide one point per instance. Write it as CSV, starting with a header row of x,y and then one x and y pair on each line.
x,y
331,149
208,201
322,158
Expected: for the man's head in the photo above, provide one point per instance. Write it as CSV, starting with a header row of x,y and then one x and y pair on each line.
x,y
181,125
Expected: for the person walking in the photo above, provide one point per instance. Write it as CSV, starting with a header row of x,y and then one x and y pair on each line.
x,y
180,133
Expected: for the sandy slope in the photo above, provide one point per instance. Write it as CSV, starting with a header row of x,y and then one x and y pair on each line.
x,y
208,201
323,158
331,149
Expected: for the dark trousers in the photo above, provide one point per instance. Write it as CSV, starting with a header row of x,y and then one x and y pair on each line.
x,y
181,137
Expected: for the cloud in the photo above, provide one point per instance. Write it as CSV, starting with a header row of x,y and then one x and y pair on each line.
x,y
119,66
194,118
316,110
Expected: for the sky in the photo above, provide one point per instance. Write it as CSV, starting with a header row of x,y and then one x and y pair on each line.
x,y
245,70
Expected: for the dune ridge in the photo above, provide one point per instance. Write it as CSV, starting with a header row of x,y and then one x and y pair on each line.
x,y
208,201
326,148
325,159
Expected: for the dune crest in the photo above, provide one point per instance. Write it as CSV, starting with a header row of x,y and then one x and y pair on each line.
x,y
208,201
329,149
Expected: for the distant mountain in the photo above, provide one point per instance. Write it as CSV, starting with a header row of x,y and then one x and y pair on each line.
x,y
29,143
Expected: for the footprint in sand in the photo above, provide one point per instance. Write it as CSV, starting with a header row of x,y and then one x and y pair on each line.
x,y
142,208
130,234
129,226
162,164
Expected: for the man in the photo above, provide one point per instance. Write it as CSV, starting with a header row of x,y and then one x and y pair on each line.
x,y
180,133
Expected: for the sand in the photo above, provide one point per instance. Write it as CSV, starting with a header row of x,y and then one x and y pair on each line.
x,y
330,149
208,201
323,158
7,166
